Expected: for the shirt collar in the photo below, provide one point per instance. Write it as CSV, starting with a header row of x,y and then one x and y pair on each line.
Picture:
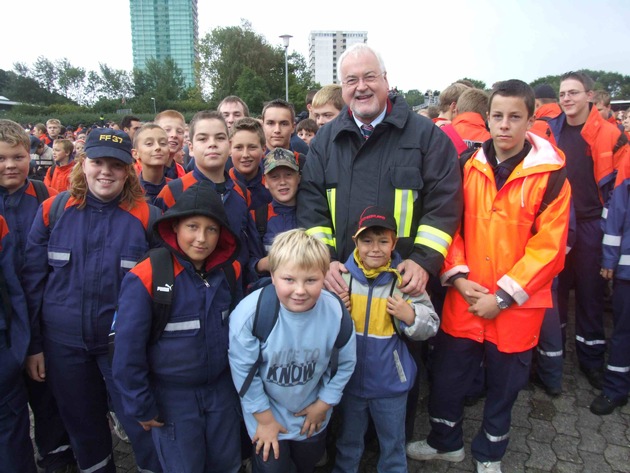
x,y
374,122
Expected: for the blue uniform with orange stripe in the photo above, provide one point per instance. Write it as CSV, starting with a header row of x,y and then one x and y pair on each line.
x,y
72,273
183,379
19,209
53,445
16,450
616,256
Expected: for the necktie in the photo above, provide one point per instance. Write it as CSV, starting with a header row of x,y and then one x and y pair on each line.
x,y
367,131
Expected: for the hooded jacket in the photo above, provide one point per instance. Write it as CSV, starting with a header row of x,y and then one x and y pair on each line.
x,y
192,350
499,250
384,366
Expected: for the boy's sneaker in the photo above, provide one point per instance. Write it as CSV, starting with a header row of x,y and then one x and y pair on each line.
x,y
488,467
421,450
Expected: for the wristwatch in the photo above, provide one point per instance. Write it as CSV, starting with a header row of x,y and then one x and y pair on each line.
x,y
501,304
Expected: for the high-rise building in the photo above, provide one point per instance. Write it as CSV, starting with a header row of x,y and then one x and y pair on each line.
x,y
165,28
325,47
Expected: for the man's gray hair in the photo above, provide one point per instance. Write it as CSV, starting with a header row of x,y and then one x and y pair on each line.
x,y
358,49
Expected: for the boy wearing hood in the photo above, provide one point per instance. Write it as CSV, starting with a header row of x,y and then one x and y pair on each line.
x,y
180,387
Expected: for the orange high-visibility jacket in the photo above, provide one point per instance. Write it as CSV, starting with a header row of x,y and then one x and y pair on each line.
x,y
498,249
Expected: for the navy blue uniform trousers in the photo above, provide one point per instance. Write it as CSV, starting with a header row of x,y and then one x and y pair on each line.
x,y
454,365
80,380
617,374
581,272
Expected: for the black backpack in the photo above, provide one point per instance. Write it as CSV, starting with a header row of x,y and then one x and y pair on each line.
x,y
267,311
162,293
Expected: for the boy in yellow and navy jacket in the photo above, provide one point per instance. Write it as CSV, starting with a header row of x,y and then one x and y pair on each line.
x,y
385,370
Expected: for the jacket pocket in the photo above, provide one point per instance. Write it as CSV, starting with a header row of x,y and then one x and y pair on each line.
x,y
407,178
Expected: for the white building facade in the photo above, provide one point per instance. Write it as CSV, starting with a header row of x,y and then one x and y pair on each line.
x,y
324,49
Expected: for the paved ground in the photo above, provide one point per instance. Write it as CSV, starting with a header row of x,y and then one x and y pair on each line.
x,y
548,435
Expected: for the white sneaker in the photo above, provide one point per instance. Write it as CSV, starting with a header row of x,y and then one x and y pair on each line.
x,y
488,467
421,450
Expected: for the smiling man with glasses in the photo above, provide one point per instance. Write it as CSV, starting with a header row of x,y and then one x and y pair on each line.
x,y
593,147
378,152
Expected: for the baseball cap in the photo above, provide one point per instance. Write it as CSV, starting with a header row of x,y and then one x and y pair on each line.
x,y
544,91
375,216
108,143
35,143
280,157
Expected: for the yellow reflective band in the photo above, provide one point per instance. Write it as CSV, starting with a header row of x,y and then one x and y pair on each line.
x,y
324,234
433,238
403,210
331,195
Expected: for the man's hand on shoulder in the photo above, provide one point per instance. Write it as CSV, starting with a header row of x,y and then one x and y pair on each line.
x,y
414,278
334,282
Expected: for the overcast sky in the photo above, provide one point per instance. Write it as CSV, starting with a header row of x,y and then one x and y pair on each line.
x,y
425,45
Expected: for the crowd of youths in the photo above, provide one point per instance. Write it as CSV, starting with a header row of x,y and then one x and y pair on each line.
x,y
216,290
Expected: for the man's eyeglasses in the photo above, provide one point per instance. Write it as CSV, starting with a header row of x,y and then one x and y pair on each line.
x,y
351,81
570,93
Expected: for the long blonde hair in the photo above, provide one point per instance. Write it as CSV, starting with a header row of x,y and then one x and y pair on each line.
x,y
131,194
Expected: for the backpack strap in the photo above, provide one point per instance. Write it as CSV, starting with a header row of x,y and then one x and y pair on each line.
x,y
345,332
347,277
554,186
162,290
41,191
231,277
264,321
57,208
177,188
261,216
623,140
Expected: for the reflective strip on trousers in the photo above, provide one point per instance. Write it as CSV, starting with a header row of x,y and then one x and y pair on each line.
x,y
611,240
446,422
589,342
496,438
618,369
550,354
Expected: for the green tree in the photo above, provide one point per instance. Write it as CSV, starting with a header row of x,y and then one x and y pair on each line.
x,y
414,97
616,84
235,57
71,81
162,80
479,84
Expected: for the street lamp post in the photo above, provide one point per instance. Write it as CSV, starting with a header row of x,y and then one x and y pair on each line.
x,y
154,108
285,41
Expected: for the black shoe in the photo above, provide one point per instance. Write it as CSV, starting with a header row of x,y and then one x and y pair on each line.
x,y
550,390
602,406
595,376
